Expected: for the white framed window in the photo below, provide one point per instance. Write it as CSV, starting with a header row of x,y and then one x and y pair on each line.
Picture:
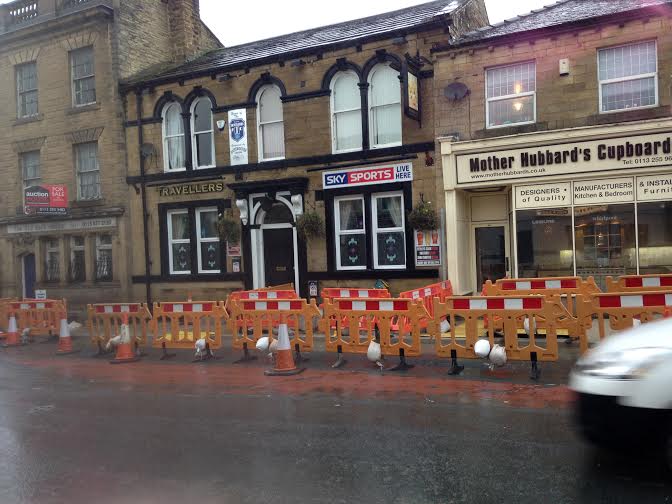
x,y
179,242
389,231
384,107
346,112
88,171
202,136
207,237
77,259
173,138
83,77
30,168
104,258
270,124
350,227
52,260
511,94
628,76
26,90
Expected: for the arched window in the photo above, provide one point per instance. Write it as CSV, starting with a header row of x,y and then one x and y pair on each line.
x,y
173,138
346,112
202,134
384,106
271,126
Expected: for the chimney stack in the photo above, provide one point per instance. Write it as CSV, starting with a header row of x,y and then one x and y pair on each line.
x,y
186,28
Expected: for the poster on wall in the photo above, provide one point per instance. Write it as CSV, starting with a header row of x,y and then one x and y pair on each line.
x,y
238,136
46,200
233,249
427,248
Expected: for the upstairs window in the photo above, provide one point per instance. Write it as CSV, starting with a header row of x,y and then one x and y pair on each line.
x,y
203,142
628,77
88,171
511,95
173,138
384,107
30,169
26,89
271,126
83,77
346,112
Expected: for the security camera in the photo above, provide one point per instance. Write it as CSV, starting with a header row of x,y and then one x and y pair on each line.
x,y
221,124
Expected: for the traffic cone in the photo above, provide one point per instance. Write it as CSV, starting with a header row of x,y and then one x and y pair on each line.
x,y
12,333
125,349
284,360
64,339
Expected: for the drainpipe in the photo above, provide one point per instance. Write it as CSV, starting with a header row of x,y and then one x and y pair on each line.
x,y
143,191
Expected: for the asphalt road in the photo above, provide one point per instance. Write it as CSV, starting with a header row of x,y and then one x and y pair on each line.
x,y
77,430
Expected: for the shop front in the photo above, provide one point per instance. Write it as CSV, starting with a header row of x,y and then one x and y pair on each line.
x,y
587,202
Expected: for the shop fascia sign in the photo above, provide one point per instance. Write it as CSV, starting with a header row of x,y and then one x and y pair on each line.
x,y
384,174
565,158
68,225
191,189
579,193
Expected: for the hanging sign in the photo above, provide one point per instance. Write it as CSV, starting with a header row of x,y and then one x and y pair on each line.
x,y
46,200
590,192
387,174
654,188
411,90
238,136
427,248
543,195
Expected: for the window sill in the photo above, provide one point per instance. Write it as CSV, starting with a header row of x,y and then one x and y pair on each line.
x,y
28,120
638,114
271,159
83,108
87,203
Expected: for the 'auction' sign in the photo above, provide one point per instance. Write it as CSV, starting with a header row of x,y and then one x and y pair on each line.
x,y
566,158
46,200
402,172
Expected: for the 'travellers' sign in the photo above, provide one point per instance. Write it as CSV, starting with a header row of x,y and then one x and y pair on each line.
x,y
566,158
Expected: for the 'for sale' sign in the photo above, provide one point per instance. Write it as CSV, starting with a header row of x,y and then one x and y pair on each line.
x,y
46,200
401,172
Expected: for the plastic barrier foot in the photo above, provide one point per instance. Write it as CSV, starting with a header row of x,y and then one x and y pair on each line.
x,y
101,351
209,355
298,358
340,361
535,371
165,355
138,351
455,368
52,338
246,356
403,365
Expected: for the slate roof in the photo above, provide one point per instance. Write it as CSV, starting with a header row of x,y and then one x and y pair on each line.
x,y
556,14
304,41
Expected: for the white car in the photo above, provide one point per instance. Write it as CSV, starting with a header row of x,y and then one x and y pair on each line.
x,y
624,388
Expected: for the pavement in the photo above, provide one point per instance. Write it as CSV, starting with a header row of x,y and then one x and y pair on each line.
x,y
75,429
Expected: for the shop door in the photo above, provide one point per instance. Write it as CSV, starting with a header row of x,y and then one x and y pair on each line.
x,y
29,276
279,256
490,246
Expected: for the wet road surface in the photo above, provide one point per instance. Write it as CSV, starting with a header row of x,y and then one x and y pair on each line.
x,y
77,430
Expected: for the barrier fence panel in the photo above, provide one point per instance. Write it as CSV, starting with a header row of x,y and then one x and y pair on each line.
x,y
618,311
636,283
252,319
42,317
440,290
467,316
345,332
180,325
329,294
104,322
261,295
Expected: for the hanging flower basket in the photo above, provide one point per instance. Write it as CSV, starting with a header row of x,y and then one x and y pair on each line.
x,y
423,217
229,230
310,225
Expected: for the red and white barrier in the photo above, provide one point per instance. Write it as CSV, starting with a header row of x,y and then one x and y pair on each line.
x,y
527,285
373,305
635,300
498,303
187,307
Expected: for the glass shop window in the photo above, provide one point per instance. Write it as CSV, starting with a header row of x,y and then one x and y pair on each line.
x,y
544,239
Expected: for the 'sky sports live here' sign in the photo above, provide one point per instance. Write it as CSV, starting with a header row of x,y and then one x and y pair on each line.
x,y
386,174
46,200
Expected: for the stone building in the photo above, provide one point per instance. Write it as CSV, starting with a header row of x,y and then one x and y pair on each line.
x,y
335,123
61,62
555,138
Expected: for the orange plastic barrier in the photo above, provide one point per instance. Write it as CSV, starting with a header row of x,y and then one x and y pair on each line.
x,y
621,309
331,293
262,295
440,290
104,322
42,317
345,332
252,319
467,316
180,325
638,283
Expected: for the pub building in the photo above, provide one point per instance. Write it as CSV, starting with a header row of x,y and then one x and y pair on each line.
x,y
559,162
334,123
